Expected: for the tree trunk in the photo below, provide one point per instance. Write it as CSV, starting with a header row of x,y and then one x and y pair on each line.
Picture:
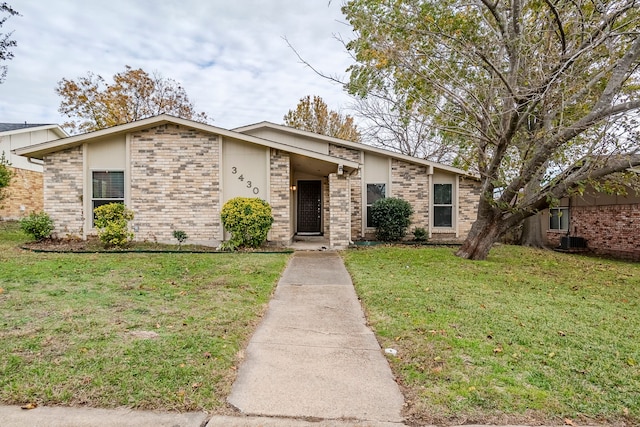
x,y
532,232
484,233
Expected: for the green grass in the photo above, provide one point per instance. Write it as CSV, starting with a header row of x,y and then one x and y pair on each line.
x,y
526,335
68,325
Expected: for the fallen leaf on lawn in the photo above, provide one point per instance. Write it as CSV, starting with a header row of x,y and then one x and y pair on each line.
x,y
207,355
631,361
625,411
31,405
552,354
196,385
1,290
562,334
568,422
497,350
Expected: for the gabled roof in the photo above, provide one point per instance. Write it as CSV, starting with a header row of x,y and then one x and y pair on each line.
x,y
356,145
38,151
16,128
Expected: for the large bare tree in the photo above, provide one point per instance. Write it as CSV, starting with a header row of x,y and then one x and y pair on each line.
x,y
540,95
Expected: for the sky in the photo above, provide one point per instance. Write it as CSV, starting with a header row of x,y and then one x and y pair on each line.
x,y
230,56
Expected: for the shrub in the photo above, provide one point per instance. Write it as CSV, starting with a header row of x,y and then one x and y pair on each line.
x,y
39,225
419,234
180,236
391,217
248,220
112,222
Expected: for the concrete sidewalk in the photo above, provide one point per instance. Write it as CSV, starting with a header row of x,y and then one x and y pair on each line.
x,y
313,355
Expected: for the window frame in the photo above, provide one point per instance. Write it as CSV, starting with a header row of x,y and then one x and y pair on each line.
x,y
565,213
449,205
368,204
106,200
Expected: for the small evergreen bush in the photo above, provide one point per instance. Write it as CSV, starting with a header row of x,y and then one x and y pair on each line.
x,y
181,236
391,216
248,220
38,225
112,222
420,234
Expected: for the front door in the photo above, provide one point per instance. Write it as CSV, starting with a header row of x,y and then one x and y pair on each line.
x,y
309,207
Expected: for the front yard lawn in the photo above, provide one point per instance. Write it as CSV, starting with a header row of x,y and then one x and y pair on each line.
x,y
152,331
527,336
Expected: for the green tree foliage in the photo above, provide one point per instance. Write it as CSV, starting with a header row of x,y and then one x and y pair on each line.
x,y
538,97
6,42
6,174
392,217
38,225
248,220
313,115
92,103
112,222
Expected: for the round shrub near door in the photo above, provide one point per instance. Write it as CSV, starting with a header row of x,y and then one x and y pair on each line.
x,y
248,220
391,218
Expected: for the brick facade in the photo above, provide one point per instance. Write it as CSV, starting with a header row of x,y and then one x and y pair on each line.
x,y
340,216
355,184
410,182
175,184
609,230
63,201
24,194
469,191
280,195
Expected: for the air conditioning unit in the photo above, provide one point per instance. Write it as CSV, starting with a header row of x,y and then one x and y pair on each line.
x,y
572,242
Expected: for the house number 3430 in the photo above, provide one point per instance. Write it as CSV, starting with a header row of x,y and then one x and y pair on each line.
x,y
249,184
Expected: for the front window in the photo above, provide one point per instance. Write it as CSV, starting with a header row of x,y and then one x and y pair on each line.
x,y
559,219
108,187
442,205
374,192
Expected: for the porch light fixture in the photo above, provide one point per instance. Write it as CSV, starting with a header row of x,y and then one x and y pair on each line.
x,y
293,188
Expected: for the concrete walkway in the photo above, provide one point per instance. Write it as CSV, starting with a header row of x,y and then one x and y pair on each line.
x,y
313,355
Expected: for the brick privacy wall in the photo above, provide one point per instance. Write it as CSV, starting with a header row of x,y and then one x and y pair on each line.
x,y
63,172
339,221
609,230
469,197
25,190
355,184
280,195
175,184
410,182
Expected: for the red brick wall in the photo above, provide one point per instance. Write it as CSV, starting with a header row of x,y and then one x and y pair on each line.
x,y
609,230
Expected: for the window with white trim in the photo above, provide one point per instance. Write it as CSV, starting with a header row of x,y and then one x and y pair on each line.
x,y
108,187
443,205
374,192
559,219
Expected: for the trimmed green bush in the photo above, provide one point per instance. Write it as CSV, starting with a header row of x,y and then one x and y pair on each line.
x,y
181,236
38,225
248,220
391,217
420,234
112,222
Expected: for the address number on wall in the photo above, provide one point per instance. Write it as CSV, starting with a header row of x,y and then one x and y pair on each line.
x,y
249,184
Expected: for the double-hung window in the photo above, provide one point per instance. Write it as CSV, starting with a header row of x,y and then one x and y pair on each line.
x,y
374,192
443,205
108,187
559,219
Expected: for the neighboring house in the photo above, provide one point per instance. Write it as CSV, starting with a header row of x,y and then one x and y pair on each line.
x,y
176,174
25,191
602,223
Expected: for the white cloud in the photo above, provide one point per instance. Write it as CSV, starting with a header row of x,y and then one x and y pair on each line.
x,y
230,56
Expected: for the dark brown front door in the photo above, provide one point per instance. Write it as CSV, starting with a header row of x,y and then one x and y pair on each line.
x,y
309,207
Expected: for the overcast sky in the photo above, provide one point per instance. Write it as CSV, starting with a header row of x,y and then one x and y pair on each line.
x,y
229,55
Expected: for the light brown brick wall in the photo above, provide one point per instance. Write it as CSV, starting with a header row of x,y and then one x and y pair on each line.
x,y
340,215
24,194
63,183
469,198
175,184
280,195
410,182
609,230
355,184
